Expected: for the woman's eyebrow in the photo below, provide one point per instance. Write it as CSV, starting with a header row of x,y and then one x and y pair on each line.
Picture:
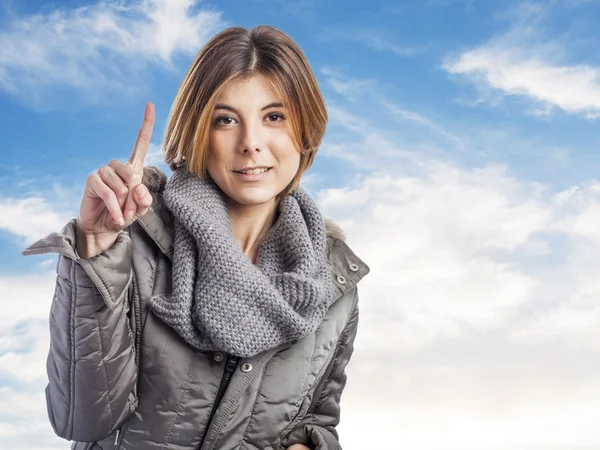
x,y
231,108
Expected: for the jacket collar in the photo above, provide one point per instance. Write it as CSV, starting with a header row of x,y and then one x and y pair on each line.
x,y
347,268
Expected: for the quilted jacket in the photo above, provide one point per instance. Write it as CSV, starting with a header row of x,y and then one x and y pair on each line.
x,y
120,378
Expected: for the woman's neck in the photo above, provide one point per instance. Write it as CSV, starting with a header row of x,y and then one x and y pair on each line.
x,y
250,225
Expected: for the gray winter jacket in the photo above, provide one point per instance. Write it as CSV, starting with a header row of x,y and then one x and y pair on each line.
x,y
120,378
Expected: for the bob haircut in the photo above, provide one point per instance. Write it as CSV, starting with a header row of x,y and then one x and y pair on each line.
x,y
238,53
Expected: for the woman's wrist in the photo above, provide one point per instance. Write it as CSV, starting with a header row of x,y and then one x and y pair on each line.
x,y
90,245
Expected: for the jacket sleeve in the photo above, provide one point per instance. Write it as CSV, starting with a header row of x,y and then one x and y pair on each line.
x,y
91,363
317,429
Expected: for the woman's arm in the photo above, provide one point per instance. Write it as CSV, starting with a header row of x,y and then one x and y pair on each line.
x,y
91,366
91,363
317,429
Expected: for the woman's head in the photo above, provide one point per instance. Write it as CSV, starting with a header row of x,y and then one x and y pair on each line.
x,y
219,123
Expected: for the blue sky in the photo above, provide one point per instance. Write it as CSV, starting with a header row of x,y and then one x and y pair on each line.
x,y
461,158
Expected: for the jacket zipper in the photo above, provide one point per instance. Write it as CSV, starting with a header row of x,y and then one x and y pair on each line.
x,y
230,367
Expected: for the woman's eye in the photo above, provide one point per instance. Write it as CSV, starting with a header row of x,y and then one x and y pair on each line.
x,y
275,117
224,120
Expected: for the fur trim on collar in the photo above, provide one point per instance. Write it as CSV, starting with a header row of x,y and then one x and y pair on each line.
x,y
155,180
334,230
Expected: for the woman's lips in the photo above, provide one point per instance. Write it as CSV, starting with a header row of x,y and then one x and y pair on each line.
x,y
251,176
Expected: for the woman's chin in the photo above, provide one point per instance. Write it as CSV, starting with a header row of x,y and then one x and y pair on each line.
x,y
254,197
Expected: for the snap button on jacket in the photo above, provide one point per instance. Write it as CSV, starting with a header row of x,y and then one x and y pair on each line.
x,y
120,378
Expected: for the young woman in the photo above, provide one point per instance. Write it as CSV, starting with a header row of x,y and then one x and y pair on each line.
x,y
216,309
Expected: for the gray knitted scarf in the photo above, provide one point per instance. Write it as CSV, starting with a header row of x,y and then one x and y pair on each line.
x,y
220,300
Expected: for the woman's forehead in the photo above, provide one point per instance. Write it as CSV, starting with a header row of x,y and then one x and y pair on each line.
x,y
256,89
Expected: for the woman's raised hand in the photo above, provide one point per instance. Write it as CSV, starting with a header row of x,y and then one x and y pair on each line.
x,y
114,197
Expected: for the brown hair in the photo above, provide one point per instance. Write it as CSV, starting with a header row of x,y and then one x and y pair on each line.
x,y
239,53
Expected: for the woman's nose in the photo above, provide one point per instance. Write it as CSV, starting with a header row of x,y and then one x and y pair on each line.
x,y
251,139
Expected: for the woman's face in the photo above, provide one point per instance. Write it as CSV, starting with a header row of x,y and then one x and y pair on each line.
x,y
249,131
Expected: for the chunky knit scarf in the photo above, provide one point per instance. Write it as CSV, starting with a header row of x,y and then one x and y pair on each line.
x,y
220,300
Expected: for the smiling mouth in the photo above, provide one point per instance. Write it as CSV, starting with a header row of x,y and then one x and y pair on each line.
x,y
254,171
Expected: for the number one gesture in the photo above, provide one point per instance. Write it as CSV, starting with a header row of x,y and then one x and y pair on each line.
x,y
114,197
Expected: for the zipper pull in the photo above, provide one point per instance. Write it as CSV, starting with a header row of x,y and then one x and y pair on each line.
x,y
231,364
117,437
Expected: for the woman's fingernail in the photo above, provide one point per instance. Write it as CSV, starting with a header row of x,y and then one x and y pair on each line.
x,y
139,189
129,215
121,221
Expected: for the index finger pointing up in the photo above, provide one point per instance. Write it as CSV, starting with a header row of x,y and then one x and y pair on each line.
x,y
136,160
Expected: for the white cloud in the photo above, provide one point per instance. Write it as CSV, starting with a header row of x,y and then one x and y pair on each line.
x,y
523,63
475,294
28,433
37,288
29,405
23,356
117,43
573,319
30,218
575,89
24,345
437,249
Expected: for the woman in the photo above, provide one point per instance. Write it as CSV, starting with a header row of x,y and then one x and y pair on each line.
x,y
216,309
